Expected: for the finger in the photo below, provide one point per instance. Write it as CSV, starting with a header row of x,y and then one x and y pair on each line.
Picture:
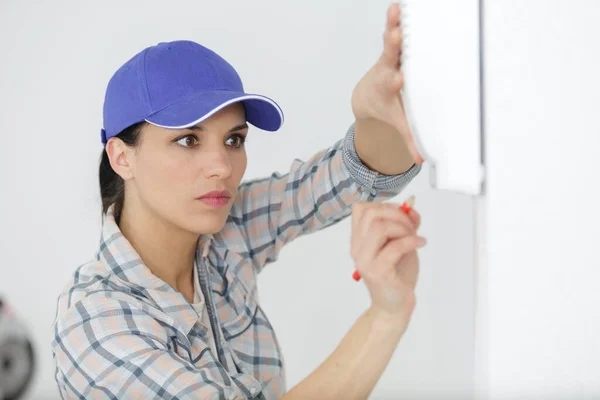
x,y
377,230
391,255
362,212
415,217
380,234
366,214
392,36
394,250
383,211
392,47
392,17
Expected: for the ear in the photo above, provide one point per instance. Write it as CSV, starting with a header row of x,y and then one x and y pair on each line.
x,y
121,157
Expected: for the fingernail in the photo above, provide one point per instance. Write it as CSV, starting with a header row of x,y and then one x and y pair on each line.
x,y
422,241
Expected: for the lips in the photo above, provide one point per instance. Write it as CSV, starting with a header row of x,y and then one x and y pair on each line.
x,y
216,194
216,198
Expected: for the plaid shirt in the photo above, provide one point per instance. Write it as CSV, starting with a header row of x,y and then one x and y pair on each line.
x,y
122,333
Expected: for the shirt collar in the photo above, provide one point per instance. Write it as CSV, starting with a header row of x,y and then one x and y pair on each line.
x,y
126,265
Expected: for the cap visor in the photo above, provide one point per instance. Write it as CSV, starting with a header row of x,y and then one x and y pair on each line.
x,y
261,111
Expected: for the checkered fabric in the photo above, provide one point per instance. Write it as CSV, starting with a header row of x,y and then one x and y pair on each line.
x,y
122,333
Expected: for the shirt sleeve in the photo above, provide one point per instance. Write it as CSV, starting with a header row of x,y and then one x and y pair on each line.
x,y
269,213
109,349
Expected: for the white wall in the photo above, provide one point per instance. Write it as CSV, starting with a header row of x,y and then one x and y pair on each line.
x,y
538,301
56,58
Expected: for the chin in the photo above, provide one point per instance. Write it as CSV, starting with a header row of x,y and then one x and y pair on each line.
x,y
206,223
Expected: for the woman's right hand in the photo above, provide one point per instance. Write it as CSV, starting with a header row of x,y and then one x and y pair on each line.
x,y
384,249
384,244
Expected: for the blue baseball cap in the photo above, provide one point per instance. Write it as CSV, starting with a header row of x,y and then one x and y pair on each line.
x,y
177,85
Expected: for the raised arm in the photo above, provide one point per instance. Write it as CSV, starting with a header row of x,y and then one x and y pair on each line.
x,y
384,243
383,137
271,212
374,162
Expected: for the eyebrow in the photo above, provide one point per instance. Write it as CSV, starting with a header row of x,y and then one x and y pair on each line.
x,y
200,128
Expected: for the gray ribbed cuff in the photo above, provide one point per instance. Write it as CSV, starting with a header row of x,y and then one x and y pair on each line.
x,y
371,180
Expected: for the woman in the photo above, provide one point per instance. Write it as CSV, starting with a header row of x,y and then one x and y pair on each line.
x,y
168,309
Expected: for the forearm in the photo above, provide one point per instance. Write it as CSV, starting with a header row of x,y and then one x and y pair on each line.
x,y
356,365
381,147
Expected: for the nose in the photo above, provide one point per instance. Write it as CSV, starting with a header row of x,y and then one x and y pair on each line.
x,y
216,163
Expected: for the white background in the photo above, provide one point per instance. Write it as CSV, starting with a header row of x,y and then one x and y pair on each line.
x,y
538,297
55,61
537,290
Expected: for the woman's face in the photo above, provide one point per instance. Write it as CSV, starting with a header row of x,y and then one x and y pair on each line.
x,y
189,177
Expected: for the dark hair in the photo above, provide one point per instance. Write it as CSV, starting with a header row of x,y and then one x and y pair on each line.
x,y
112,186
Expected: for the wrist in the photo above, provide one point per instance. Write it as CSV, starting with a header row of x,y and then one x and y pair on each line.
x,y
381,147
390,320
401,312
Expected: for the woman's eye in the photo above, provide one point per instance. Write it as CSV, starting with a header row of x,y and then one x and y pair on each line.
x,y
236,141
188,141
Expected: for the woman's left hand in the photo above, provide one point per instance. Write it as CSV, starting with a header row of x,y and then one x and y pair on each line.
x,y
377,95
